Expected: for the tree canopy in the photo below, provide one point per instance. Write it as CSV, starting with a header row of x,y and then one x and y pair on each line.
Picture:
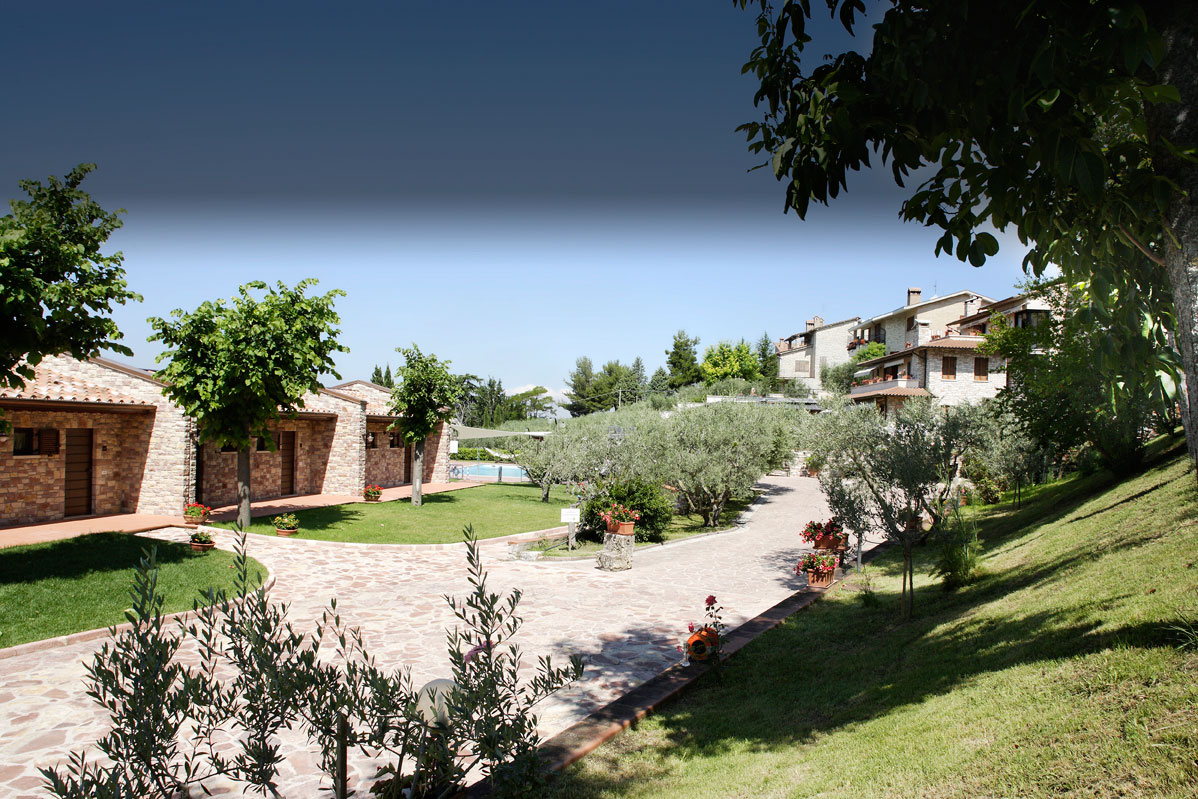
x,y
425,395
1072,123
682,360
57,288
726,360
236,366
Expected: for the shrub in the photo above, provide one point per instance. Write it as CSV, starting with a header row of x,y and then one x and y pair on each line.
x,y
959,550
655,507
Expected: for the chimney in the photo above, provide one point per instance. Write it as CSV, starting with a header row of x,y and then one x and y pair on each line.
x,y
817,321
913,296
971,305
810,325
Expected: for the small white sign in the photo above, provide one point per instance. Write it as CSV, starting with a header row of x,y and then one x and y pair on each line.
x,y
571,515
453,448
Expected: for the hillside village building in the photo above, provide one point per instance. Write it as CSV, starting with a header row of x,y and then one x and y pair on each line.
x,y
803,356
97,437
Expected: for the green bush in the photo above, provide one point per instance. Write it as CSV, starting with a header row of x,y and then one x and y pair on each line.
x,y
957,562
477,454
987,491
650,499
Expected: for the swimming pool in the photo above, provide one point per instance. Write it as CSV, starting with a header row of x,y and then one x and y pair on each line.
x,y
510,470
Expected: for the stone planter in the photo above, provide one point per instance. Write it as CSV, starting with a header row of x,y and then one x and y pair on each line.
x,y
280,531
617,552
200,546
192,521
374,499
819,579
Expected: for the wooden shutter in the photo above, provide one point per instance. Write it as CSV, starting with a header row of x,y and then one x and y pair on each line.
x,y
47,441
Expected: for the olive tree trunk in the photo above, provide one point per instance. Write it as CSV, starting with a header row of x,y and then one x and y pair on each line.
x,y
243,488
417,472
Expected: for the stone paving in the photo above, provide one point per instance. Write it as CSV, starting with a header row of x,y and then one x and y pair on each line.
x,y
625,624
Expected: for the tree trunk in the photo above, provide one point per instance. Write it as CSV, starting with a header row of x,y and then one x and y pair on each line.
x,y
906,569
417,472
243,488
1177,123
545,490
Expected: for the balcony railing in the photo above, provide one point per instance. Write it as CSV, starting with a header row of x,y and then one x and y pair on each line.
x,y
878,384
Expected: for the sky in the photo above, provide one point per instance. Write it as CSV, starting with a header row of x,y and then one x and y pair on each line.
x,y
509,185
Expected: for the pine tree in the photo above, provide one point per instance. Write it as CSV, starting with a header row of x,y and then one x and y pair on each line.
x,y
683,360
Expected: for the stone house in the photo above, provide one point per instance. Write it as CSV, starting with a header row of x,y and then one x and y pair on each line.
x,y
96,437
803,356
896,329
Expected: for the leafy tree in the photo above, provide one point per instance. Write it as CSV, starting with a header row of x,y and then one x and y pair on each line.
x,y
424,396
767,360
56,287
1079,131
839,379
1059,388
682,360
469,386
582,386
236,366
615,386
726,360
881,477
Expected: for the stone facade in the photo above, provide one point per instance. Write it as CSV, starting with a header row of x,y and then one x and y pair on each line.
x,y
898,328
803,356
139,442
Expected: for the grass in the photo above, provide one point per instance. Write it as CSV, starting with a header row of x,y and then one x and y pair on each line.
x,y
82,583
494,510
681,526
1063,670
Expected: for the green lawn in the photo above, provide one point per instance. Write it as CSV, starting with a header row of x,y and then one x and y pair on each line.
x,y
1058,673
494,510
681,526
83,583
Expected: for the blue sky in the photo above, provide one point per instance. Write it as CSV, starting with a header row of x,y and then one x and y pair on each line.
x,y
509,185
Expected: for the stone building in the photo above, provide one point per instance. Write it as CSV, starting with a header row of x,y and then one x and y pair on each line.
x,y
96,437
803,356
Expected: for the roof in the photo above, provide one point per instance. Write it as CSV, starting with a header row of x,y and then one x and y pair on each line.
x,y
908,308
895,391
51,385
957,342
824,327
376,397
986,310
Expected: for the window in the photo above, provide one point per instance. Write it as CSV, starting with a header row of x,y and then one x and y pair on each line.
x,y
890,373
394,440
47,441
948,367
910,322
981,369
261,445
228,448
24,441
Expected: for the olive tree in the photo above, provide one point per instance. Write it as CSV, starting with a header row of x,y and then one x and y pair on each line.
x,y
425,395
236,366
713,453
880,476
56,288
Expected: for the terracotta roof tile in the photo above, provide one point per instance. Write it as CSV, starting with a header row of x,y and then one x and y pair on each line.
x,y
50,384
895,391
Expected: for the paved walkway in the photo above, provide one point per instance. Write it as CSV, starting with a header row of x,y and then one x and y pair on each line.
x,y
142,522
626,624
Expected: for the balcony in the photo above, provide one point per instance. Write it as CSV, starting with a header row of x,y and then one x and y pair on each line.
x,y
881,384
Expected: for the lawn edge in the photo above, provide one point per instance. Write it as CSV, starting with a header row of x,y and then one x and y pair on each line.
x,y
70,639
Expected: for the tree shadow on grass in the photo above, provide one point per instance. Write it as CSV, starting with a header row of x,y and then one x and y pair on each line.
x,y
74,557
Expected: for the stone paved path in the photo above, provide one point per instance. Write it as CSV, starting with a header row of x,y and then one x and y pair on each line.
x,y
626,624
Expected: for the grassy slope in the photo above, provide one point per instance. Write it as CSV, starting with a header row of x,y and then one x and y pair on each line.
x,y
1055,674
494,510
83,583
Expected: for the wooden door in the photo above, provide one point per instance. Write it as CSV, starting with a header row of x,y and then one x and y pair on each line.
x,y
287,457
78,499
407,462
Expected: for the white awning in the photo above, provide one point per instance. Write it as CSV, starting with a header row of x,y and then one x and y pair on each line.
x,y
464,433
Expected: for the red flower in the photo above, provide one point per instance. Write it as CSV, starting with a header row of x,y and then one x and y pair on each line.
x,y
711,600
690,626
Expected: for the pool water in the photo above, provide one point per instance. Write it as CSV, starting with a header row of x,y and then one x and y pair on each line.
x,y
510,470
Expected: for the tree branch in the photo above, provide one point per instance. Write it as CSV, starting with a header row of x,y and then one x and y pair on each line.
x,y
1151,256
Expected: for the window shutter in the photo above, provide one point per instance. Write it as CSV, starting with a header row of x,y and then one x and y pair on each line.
x,y
47,441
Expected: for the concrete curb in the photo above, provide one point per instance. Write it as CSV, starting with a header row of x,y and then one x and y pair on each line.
x,y
532,535
103,632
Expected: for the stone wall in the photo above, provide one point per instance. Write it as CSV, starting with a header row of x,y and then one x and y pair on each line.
x,y
139,460
313,443
965,389
385,463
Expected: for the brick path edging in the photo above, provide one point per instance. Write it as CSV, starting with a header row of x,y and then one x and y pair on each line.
x,y
532,535
91,635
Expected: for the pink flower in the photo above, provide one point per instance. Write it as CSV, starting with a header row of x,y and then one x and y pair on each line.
x,y
690,626
711,600
480,648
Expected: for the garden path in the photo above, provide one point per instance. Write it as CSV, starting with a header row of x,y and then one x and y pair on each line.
x,y
625,624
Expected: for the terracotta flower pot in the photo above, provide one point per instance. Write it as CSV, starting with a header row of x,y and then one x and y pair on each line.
x,y
192,521
625,528
279,531
200,546
819,579
613,526
374,499
836,542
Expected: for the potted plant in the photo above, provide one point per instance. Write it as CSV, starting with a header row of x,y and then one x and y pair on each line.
x,y
286,524
826,535
819,568
201,540
195,513
372,493
620,519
